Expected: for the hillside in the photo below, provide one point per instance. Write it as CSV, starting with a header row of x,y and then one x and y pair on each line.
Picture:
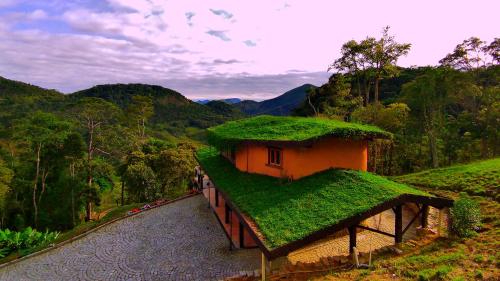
x,y
280,106
170,106
173,112
450,258
480,178
18,98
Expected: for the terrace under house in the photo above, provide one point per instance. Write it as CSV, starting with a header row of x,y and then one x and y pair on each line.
x,y
282,183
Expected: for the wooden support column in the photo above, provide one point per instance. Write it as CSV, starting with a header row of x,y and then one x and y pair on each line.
x,y
424,222
230,229
216,198
352,238
263,268
241,235
398,224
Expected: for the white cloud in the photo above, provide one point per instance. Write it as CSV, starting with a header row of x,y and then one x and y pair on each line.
x,y
204,41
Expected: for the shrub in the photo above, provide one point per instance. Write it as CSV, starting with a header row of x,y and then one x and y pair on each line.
x,y
29,238
466,216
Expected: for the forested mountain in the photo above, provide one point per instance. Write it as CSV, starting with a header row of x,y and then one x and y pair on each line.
x,y
229,101
61,156
18,99
225,109
281,105
170,107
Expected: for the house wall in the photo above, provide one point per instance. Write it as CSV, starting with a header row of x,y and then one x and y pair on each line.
x,y
301,161
232,228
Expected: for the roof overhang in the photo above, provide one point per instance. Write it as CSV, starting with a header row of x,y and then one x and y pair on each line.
x,y
437,202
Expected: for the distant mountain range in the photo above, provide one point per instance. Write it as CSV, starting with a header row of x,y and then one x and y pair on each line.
x,y
228,101
280,106
173,111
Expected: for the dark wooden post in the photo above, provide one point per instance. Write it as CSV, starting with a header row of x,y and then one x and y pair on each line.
x,y
352,238
398,224
208,186
241,236
425,215
226,213
230,229
216,198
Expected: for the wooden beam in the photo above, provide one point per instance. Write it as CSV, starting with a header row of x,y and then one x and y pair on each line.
x,y
375,230
412,220
425,215
352,238
398,224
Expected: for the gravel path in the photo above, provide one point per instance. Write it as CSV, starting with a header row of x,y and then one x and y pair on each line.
x,y
179,241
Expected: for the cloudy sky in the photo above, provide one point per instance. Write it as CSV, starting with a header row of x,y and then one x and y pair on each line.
x,y
213,49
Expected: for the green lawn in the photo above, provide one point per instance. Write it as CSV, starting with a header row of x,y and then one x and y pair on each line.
x,y
477,178
273,128
285,212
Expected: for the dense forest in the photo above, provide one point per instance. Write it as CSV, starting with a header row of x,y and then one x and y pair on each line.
x,y
64,159
439,115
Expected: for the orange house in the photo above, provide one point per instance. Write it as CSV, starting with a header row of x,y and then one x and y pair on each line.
x,y
296,160
277,147
314,174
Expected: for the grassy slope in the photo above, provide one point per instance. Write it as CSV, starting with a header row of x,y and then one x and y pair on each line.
x,y
286,212
477,178
451,258
272,128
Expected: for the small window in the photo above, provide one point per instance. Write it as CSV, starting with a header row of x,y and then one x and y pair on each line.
x,y
274,156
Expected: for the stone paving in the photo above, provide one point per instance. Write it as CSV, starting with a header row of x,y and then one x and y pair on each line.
x,y
179,241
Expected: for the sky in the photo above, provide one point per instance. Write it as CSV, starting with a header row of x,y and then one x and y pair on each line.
x,y
219,49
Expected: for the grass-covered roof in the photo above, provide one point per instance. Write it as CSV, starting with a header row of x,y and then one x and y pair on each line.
x,y
289,129
286,212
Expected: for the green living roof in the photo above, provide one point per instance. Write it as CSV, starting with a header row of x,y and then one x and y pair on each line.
x,y
286,212
274,128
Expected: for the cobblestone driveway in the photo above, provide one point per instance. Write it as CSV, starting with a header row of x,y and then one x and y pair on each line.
x,y
180,241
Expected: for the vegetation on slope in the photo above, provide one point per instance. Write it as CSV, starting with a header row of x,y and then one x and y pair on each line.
x,y
285,212
273,128
476,178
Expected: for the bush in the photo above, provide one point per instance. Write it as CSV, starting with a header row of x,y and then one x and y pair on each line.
x,y
29,238
466,216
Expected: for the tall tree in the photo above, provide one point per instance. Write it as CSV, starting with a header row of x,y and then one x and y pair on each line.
x,y
139,112
371,60
427,97
6,175
473,54
96,117
41,132
383,58
354,62
332,100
